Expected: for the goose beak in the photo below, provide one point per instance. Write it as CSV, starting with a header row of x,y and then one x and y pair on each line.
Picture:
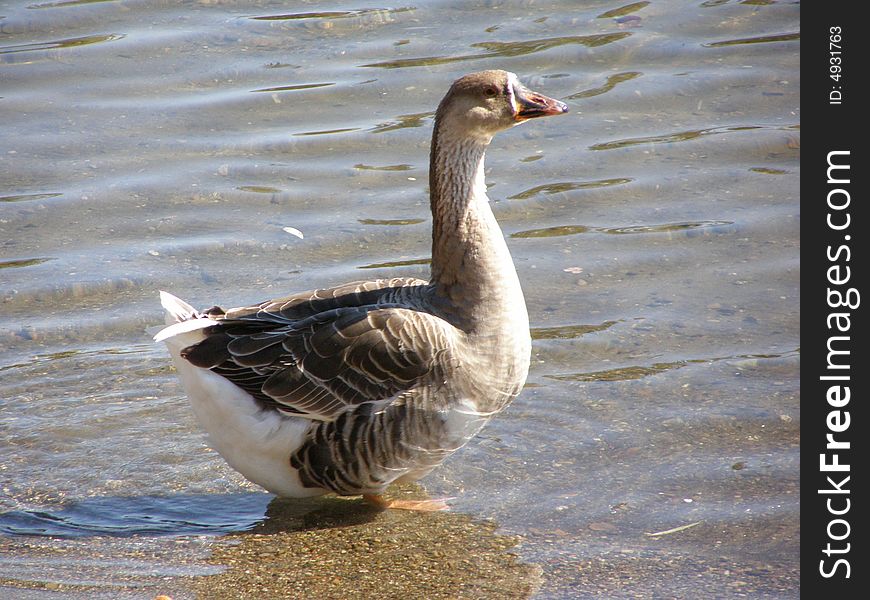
x,y
532,104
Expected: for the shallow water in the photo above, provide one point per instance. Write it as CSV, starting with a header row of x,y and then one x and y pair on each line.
x,y
654,228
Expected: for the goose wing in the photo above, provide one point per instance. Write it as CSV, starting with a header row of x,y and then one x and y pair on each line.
x,y
318,354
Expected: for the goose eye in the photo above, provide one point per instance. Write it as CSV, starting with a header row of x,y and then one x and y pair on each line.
x,y
490,92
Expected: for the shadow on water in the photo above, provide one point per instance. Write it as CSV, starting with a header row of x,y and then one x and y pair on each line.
x,y
319,547
185,515
330,547
121,516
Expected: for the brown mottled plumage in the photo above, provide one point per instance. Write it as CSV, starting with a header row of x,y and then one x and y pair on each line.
x,y
350,388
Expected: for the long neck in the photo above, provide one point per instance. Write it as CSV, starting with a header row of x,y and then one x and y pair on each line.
x,y
457,194
472,271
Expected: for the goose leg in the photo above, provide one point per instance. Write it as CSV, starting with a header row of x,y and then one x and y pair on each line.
x,y
420,505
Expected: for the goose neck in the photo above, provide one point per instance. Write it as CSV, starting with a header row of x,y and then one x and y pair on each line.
x,y
458,197
473,275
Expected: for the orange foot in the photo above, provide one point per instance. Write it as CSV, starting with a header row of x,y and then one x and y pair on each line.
x,y
421,505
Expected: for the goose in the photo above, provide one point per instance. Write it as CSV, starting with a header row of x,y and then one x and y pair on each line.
x,y
348,389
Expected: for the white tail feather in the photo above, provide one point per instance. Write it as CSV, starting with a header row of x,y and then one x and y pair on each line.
x,y
254,441
181,318
177,308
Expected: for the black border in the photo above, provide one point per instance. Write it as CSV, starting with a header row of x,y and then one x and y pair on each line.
x,y
833,127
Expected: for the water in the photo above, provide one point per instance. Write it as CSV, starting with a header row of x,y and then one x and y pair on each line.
x,y
149,146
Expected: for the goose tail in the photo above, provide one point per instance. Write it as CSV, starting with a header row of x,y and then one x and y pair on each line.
x,y
181,318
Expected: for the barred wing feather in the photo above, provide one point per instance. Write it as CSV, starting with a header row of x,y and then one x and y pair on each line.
x,y
317,364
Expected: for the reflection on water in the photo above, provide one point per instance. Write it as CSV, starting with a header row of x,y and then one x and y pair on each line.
x,y
654,450
140,516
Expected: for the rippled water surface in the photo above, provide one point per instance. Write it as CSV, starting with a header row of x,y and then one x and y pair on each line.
x,y
185,145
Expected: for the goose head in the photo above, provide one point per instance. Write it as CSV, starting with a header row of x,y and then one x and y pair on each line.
x,y
479,105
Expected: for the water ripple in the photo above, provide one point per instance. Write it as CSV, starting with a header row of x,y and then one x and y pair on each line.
x,y
557,231
391,222
65,3
666,227
400,167
397,263
567,332
328,131
567,186
780,37
29,197
563,230
505,49
259,189
334,14
680,136
624,373
623,10
769,171
293,88
403,121
639,371
56,44
22,262
611,83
